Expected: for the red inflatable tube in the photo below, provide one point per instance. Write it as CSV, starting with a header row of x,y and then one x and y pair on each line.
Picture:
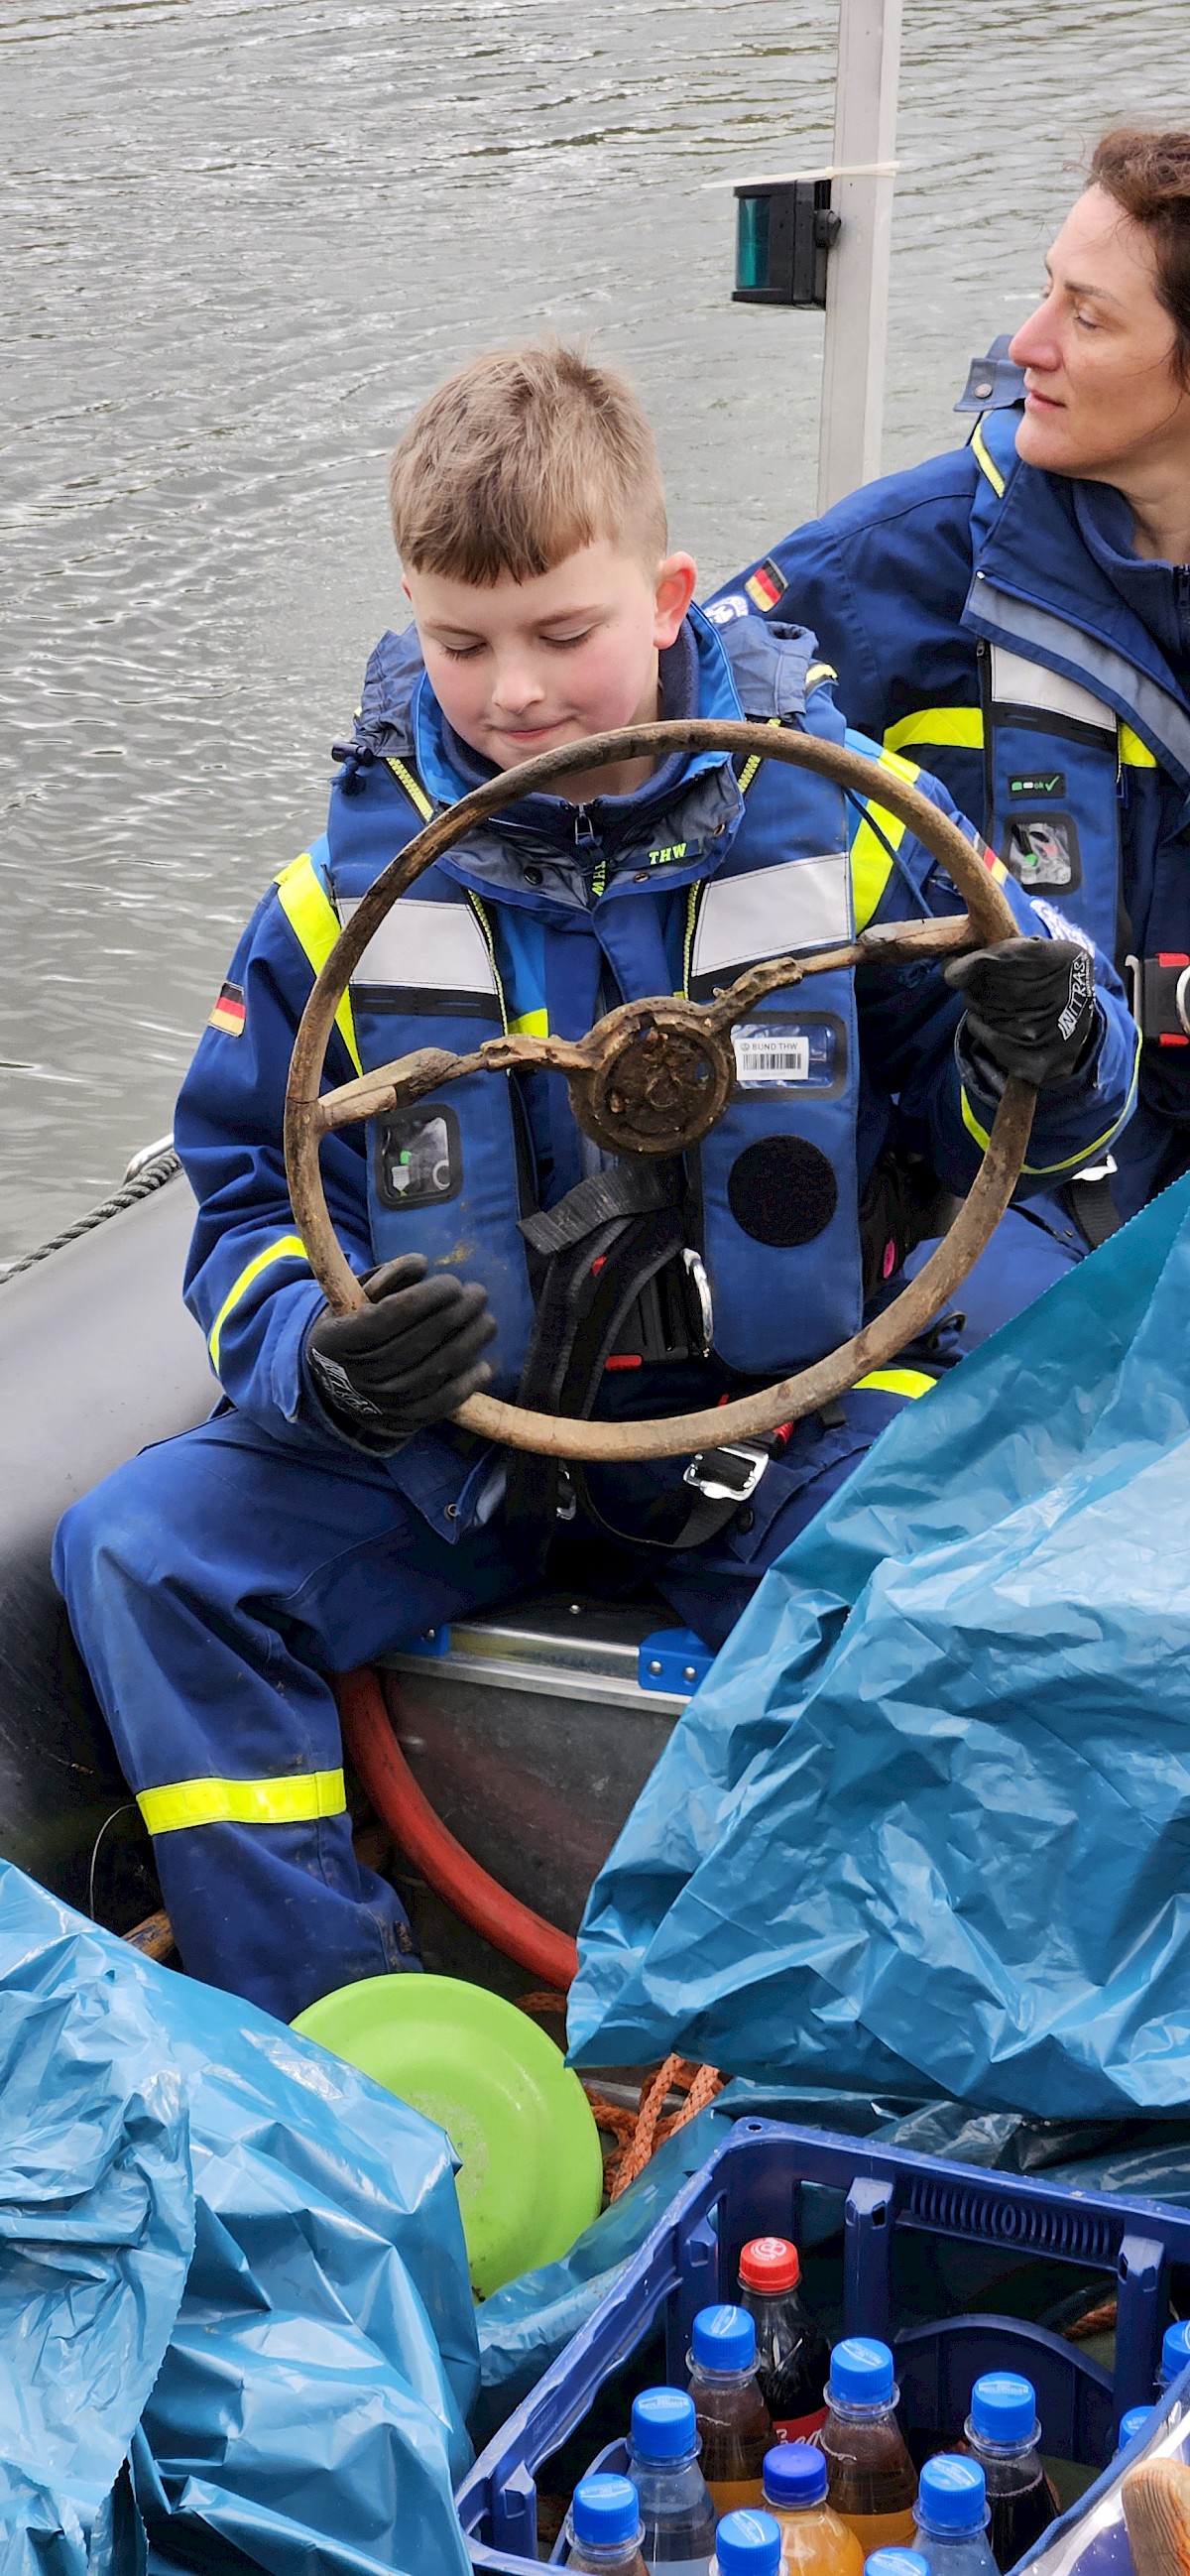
x,y
510,1926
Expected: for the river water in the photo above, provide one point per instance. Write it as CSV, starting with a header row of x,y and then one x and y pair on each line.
x,y
239,241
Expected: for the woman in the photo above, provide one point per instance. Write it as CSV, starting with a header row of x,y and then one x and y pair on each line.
x,y
1016,616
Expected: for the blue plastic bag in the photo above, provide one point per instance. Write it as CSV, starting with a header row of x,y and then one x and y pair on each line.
x,y
926,1827
228,2255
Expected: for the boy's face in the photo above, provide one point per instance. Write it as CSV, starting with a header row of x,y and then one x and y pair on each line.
x,y
523,666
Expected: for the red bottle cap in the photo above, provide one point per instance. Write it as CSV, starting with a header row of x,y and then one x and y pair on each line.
x,y
770,2263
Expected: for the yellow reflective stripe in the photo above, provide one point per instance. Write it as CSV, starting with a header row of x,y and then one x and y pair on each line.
x,y
692,903
413,789
298,1798
531,1024
991,470
960,726
896,1381
1086,1153
315,925
290,1247
1134,754
817,673
748,772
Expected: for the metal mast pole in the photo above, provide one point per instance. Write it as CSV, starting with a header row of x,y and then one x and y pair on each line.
x,y
866,79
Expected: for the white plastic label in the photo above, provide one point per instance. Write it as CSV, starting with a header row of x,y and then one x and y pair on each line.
x,y
770,1055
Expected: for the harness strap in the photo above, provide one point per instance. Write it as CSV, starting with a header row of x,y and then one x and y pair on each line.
x,y
623,1189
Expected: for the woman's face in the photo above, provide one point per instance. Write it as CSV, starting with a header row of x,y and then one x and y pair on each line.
x,y
1102,391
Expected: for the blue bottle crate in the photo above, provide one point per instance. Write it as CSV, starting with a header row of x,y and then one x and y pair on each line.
x,y
753,2186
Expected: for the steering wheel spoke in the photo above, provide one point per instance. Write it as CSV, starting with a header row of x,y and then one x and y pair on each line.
x,y
653,1076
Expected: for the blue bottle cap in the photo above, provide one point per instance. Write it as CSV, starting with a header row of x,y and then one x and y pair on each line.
x,y
605,2510
748,2544
1004,2409
663,2426
1137,2420
861,2372
724,2339
794,2473
1175,2351
896,2562
952,2494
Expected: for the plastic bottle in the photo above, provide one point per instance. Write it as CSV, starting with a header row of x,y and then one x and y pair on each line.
x,y
896,2562
952,2517
675,2501
813,2540
792,2352
1137,2419
1175,2353
747,2544
603,2528
872,2480
733,2420
1002,2433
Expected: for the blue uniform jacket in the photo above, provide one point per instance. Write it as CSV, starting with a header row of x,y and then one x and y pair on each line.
x,y
248,1281
913,585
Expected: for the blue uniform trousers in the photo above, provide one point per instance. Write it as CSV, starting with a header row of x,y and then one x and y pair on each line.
x,y
1031,1248
215,1582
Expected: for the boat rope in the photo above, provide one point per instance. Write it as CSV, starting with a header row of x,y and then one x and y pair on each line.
x,y
145,1177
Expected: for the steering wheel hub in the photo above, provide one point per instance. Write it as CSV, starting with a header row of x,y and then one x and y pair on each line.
x,y
661,1081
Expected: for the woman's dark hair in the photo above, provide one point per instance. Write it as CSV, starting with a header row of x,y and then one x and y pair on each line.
x,y
1148,174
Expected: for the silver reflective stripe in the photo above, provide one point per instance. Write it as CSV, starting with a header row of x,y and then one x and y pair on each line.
x,y
1018,683
1158,718
804,903
436,947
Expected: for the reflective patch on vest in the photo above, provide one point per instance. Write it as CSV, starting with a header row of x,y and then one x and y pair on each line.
x,y
229,1013
782,1191
425,947
418,1157
1042,852
1045,782
786,1054
803,903
723,612
1019,683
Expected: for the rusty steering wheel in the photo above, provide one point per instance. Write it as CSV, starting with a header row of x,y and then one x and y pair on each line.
x,y
652,1078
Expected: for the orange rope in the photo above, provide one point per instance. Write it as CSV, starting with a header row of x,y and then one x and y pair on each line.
x,y
641,2132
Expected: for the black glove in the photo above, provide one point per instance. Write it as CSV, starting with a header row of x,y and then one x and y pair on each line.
x,y
409,1358
1030,1006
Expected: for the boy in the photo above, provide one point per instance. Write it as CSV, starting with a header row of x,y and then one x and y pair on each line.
x,y
215,1582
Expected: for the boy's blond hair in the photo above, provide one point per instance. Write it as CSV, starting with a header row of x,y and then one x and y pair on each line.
x,y
518,460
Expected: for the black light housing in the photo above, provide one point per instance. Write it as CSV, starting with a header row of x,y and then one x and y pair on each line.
x,y
784,231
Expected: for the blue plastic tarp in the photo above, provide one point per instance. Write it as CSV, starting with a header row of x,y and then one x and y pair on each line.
x,y
926,1827
225,2258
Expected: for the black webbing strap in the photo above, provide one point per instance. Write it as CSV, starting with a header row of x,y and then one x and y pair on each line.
x,y
623,1189
1089,1201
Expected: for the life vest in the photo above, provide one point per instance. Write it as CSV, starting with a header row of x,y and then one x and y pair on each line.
x,y
1065,717
738,870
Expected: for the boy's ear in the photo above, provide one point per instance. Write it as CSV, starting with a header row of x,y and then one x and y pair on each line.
x,y
676,583
405,587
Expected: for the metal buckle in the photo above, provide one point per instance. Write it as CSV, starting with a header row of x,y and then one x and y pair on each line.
x,y
695,1270
713,1487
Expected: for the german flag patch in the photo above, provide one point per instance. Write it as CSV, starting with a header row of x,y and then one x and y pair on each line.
x,y
766,585
229,1013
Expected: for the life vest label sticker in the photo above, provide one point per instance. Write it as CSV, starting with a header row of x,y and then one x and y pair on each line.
x,y
771,1055
783,1053
1045,782
1042,852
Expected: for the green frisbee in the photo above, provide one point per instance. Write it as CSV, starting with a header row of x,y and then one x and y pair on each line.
x,y
532,2166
